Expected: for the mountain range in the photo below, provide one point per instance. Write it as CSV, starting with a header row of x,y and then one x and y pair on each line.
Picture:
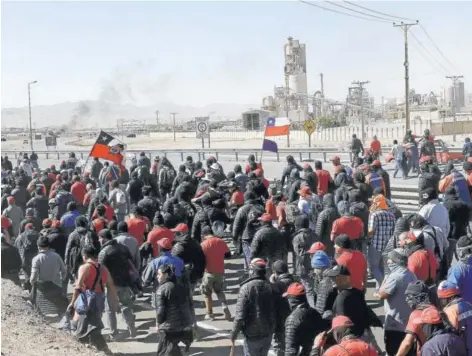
x,y
96,113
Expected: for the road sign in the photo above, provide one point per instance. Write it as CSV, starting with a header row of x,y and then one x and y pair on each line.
x,y
309,126
203,127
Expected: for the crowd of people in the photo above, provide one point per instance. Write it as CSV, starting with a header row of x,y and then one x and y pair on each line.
x,y
309,241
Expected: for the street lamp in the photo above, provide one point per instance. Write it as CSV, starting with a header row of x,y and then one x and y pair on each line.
x,y
29,105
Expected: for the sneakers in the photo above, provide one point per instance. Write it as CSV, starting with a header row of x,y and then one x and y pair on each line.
x,y
227,314
209,316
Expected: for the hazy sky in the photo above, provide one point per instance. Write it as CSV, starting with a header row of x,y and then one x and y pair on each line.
x,y
204,52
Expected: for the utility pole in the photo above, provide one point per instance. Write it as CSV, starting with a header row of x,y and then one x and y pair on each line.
x,y
322,95
406,27
157,120
360,87
173,116
455,79
29,107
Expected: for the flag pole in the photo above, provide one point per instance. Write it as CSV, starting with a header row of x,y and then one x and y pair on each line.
x,y
263,138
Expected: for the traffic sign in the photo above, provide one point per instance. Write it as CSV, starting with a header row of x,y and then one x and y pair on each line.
x,y
309,126
202,127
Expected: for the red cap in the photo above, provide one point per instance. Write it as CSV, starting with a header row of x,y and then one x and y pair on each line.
x,y
258,262
180,228
377,163
86,174
29,226
317,246
56,223
306,166
53,166
406,235
165,243
47,222
34,175
200,174
295,289
305,192
6,222
335,159
340,320
265,217
11,200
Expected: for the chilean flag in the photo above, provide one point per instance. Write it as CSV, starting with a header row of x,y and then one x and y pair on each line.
x,y
277,126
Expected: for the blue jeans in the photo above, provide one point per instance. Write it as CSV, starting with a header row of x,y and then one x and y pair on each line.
x,y
247,254
400,165
257,347
375,261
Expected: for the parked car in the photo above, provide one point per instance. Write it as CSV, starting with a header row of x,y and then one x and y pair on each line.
x,y
4,139
132,135
25,142
443,153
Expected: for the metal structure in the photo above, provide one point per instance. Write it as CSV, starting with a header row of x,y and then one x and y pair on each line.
x,y
173,122
455,81
29,108
405,27
131,126
360,89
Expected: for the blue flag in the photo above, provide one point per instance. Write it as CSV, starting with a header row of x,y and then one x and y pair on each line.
x,y
270,146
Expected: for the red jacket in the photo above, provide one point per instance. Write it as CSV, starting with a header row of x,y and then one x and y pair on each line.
x,y
78,191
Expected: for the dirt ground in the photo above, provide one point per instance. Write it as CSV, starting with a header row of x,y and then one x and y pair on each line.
x,y
26,333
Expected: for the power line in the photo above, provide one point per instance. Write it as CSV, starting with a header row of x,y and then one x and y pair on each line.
x,y
376,12
359,12
342,13
428,52
437,47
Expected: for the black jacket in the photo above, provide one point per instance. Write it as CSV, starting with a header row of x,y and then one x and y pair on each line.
x,y
346,192
325,293
279,287
311,180
30,220
200,220
150,206
173,307
27,238
428,180
134,190
117,259
97,167
40,205
302,242
268,243
458,217
177,181
57,241
190,251
301,327
292,195
240,219
22,196
258,187
255,309
47,182
386,178
73,258
288,169
324,223
361,210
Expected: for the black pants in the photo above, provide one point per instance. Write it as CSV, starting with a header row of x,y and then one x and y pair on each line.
x,y
169,342
393,340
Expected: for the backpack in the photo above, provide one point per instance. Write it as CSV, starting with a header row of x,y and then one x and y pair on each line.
x,y
291,212
120,197
90,301
30,247
167,176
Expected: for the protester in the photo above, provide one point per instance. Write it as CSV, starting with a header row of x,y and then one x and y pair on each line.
x,y
15,214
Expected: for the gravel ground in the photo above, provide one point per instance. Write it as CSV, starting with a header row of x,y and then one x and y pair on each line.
x,y
26,333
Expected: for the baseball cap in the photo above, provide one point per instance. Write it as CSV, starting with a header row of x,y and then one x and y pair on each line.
x,y
306,166
317,246
320,260
6,222
56,223
416,287
429,315
165,243
340,320
425,159
399,255
258,172
339,270
258,263
335,158
180,228
29,226
265,217
47,222
376,163
305,192
342,241
295,289
447,289
10,200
